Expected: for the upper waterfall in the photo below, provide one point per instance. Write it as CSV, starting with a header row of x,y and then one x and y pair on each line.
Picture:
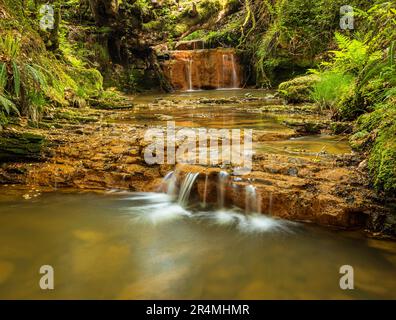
x,y
198,69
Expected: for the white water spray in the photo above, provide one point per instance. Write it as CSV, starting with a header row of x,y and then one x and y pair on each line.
x,y
250,199
185,188
234,73
189,74
170,183
205,189
223,176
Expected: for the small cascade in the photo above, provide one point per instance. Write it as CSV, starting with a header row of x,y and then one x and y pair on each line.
x,y
234,73
250,199
190,69
229,72
169,183
223,69
259,203
189,73
205,190
185,188
173,203
223,176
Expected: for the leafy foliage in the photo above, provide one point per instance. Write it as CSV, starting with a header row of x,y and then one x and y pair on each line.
x,y
330,87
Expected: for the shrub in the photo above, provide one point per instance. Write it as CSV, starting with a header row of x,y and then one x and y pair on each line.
x,y
332,85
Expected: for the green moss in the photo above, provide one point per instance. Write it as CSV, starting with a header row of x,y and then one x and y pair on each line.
x,y
377,134
208,9
198,34
360,140
111,100
15,146
382,161
298,89
341,127
294,33
74,116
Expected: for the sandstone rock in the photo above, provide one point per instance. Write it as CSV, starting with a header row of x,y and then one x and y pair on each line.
x,y
203,69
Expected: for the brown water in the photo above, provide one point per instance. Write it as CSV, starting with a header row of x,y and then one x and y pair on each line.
x,y
236,109
309,146
116,246
124,246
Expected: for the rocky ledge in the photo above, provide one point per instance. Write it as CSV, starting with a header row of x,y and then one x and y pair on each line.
x,y
97,155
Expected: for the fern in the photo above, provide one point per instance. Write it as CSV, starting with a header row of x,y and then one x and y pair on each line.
x,y
8,105
10,46
343,42
3,77
17,78
37,75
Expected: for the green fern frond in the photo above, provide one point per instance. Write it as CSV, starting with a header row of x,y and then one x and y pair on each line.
x,y
10,46
7,105
3,77
343,41
37,75
17,79
392,53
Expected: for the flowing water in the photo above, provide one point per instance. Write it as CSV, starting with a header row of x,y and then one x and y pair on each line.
x,y
200,109
144,245
166,245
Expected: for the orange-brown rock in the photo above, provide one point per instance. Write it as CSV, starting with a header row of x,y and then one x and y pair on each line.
x,y
95,156
203,69
322,196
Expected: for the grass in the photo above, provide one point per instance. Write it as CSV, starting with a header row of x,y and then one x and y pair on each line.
x,y
331,86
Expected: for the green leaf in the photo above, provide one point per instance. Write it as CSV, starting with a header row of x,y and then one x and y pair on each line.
x,y
8,105
3,76
17,79
37,75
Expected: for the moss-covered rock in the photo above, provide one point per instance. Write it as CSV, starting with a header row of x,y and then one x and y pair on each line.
x,y
382,161
298,89
306,127
341,127
377,134
16,146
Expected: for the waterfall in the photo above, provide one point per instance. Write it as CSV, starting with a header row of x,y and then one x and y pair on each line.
x,y
223,176
259,203
169,182
205,190
189,75
250,199
234,73
223,70
234,76
270,204
185,188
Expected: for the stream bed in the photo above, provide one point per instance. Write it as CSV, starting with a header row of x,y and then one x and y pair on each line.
x,y
123,245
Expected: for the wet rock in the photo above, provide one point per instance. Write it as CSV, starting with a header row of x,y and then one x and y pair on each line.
x,y
292,172
190,45
298,89
341,127
203,69
306,127
19,146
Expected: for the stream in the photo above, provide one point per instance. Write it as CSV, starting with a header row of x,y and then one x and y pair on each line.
x,y
116,244
143,246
